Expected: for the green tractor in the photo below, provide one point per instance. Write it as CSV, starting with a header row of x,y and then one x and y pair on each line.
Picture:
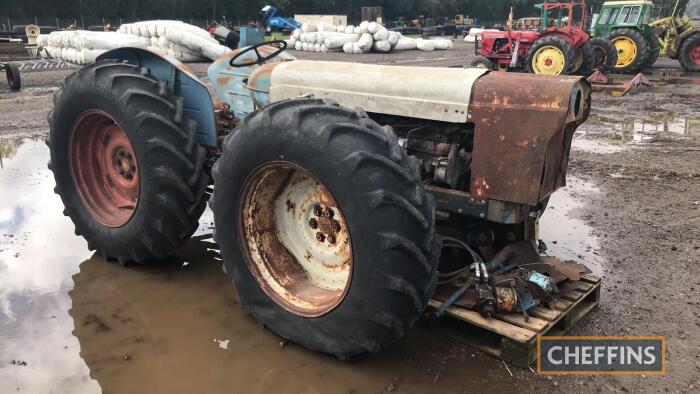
x,y
679,35
639,43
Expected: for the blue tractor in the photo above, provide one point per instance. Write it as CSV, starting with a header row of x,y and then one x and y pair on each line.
x,y
333,185
278,23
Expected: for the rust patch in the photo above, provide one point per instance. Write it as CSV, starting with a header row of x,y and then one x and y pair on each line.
x,y
526,122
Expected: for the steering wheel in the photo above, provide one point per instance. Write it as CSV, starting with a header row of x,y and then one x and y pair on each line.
x,y
260,59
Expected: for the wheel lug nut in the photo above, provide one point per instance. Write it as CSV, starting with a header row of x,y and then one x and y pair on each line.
x,y
313,223
331,239
320,237
336,226
328,213
318,210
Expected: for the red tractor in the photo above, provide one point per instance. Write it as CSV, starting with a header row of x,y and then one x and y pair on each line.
x,y
560,47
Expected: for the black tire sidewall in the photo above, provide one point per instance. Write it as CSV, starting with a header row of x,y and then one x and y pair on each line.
x,y
642,49
566,49
350,317
96,98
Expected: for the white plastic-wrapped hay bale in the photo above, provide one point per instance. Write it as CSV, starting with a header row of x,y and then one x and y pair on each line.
x,y
299,46
373,27
425,45
347,47
296,33
405,44
381,46
338,41
323,26
393,38
439,43
341,28
381,35
208,48
365,42
350,29
364,27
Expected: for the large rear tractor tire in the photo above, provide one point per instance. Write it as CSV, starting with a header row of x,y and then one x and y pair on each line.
x,y
126,163
325,227
13,77
654,51
585,60
632,50
689,54
604,54
551,56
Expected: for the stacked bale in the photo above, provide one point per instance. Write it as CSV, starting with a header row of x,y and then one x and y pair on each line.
x,y
82,46
364,38
183,41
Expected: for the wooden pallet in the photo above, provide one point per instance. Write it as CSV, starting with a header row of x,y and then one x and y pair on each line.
x,y
508,336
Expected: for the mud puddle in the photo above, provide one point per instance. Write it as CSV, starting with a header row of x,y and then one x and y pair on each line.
x,y
71,322
566,236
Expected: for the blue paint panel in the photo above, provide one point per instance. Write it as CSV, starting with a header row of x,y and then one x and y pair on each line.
x,y
198,105
251,36
231,83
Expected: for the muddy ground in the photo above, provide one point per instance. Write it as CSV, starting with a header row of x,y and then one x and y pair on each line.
x,y
71,322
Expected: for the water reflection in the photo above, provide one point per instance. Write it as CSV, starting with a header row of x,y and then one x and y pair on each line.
x,y
38,255
92,326
566,236
175,327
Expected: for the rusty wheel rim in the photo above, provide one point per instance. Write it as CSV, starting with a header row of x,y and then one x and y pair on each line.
x,y
695,54
104,168
295,239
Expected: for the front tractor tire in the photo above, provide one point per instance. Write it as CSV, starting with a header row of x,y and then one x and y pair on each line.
x,y
585,60
632,50
126,163
324,226
551,56
689,53
604,54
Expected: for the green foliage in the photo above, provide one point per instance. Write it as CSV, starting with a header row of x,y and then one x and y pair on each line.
x,y
487,10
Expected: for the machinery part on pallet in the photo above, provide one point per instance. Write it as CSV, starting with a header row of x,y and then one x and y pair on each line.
x,y
487,300
526,300
126,162
364,192
585,60
13,77
481,62
496,262
604,54
689,54
632,50
601,82
654,51
551,56
506,299
449,277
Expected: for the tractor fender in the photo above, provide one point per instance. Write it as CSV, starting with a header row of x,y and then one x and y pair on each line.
x,y
198,104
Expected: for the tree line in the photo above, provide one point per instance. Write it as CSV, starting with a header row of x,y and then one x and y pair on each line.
x,y
249,10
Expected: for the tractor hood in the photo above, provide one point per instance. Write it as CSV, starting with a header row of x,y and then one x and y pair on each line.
x,y
441,94
523,123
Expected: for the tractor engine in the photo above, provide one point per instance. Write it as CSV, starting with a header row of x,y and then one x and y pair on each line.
x,y
492,147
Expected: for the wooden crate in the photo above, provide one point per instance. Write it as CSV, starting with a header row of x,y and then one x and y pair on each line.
x,y
508,336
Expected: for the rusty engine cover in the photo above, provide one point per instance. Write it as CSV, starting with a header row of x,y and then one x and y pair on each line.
x,y
524,124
